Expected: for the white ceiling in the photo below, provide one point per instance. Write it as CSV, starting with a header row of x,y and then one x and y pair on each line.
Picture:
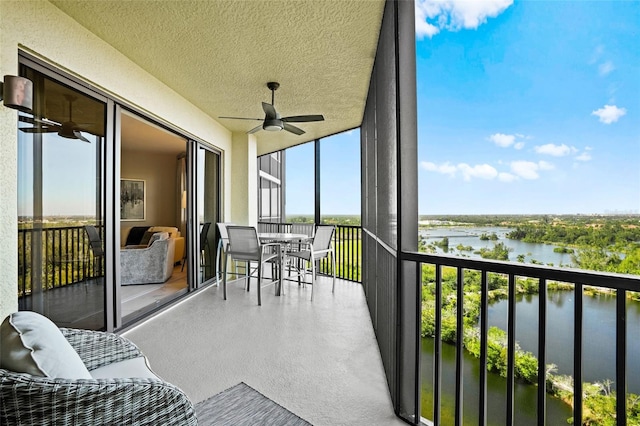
x,y
220,54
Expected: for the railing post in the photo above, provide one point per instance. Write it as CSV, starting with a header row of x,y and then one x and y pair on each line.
x,y
459,345
511,350
437,350
484,333
542,355
577,355
621,358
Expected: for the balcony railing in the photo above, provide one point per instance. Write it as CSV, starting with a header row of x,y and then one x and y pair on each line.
x,y
63,258
578,280
347,242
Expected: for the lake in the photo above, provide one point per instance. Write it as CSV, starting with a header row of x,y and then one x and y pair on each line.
x,y
598,357
470,236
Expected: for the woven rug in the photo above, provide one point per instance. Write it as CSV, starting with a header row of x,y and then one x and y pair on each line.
x,y
242,405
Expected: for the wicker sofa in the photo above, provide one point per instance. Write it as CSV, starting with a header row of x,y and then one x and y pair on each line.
x,y
26,399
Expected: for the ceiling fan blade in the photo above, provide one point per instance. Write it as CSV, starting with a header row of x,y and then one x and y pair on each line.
x,y
303,118
79,136
243,118
293,129
269,110
42,129
255,129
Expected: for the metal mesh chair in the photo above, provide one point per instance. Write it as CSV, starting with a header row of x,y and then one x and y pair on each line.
x,y
312,252
244,246
223,243
97,252
35,400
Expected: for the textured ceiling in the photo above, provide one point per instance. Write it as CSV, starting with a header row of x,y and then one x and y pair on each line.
x,y
219,55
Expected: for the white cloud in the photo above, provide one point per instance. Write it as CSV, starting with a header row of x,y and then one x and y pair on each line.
x,y
529,169
432,16
585,156
519,170
543,165
609,113
505,141
483,171
605,68
444,168
502,140
555,150
507,177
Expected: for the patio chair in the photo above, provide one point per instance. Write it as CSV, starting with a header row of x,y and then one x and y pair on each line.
x,y
223,243
319,248
82,378
245,246
97,251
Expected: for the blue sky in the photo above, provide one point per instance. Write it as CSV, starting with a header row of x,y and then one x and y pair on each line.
x,y
528,106
523,107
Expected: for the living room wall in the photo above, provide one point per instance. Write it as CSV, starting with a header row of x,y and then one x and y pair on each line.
x,y
159,173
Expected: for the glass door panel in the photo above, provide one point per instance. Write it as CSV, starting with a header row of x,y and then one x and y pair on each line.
x,y
208,211
152,216
60,205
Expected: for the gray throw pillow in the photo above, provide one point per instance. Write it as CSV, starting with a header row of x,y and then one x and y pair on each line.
x,y
30,343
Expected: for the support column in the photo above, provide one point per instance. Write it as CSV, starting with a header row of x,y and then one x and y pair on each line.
x,y
244,180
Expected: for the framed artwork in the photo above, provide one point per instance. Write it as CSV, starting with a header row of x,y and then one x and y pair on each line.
x,y
132,199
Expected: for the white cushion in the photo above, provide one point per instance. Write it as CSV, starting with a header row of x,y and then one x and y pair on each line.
x,y
127,369
171,230
31,343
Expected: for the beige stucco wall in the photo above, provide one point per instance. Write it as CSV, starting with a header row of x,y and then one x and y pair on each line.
x,y
159,173
244,180
42,30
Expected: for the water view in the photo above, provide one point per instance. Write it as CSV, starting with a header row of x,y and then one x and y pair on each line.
x,y
470,237
611,245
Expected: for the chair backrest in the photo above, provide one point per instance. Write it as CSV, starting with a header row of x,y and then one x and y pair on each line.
x,y
323,237
243,240
222,229
303,228
95,241
203,234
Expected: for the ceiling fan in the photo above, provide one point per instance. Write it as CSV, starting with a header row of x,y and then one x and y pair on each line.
x,y
272,120
69,129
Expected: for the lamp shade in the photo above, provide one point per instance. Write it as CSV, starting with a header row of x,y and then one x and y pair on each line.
x,y
17,93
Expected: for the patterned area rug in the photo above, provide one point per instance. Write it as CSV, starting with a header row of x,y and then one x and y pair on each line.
x,y
242,405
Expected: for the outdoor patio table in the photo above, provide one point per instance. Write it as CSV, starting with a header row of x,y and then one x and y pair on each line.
x,y
285,239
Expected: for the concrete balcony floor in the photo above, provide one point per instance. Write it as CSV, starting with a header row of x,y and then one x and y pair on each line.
x,y
318,359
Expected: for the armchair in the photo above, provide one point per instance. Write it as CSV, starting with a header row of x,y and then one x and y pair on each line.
x,y
141,398
152,264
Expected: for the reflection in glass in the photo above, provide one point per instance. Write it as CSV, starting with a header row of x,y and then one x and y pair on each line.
x,y
60,274
208,211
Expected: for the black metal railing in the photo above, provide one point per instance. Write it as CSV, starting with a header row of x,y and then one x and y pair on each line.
x,y
55,257
578,280
347,242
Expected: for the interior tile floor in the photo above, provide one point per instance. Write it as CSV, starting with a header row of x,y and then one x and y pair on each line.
x,y
318,359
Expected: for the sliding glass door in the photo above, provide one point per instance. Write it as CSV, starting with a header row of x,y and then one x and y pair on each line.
x,y
61,203
207,207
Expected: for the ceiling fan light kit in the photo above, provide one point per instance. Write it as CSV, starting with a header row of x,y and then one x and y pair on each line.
x,y
273,122
272,125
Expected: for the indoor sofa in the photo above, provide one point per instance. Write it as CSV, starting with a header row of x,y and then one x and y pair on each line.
x,y
148,264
